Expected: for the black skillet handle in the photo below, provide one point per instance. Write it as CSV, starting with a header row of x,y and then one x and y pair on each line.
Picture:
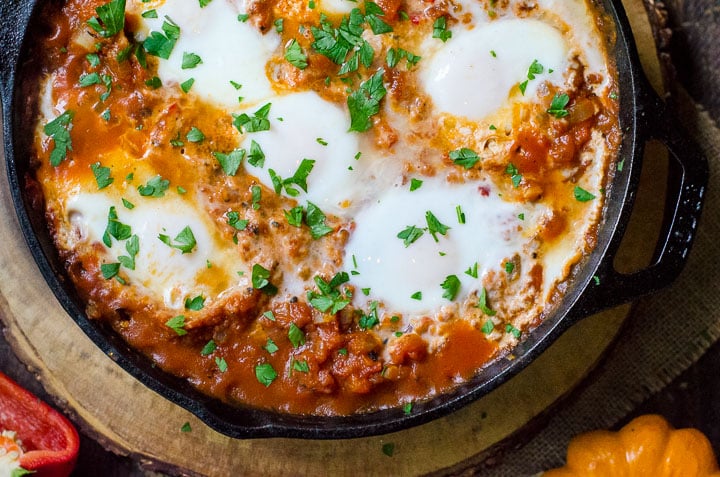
x,y
15,15
687,182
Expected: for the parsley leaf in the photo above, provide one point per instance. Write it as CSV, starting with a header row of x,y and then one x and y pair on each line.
x,y
261,280
59,130
221,364
514,174
270,346
558,104
110,20
257,122
265,374
301,366
581,195
161,45
483,303
372,12
330,299
230,162
257,156
451,285
370,320
115,229
190,60
155,187
208,349
440,30
109,270
184,241
133,247
195,304
195,135
102,175
315,219
410,234
177,323
295,55
464,157
435,226
365,102
295,216
296,335
234,220
415,184
488,326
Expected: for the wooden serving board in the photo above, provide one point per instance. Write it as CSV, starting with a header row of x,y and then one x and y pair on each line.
x,y
130,419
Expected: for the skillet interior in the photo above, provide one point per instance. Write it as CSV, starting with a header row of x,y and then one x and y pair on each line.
x,y
581,299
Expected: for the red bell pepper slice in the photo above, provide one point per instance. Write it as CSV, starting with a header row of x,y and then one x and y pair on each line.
x,y
49,440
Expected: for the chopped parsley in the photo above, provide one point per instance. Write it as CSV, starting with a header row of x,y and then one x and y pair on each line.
x,y
365,102
195,304
257,156
581,195
464,157
184,241
299,178
177,324
512,330
186,427
315,219
300,366
472,270
109,270
296,335
149,14
161,45
410,234
256,193
155,187
110,20
102,175
115,229
190,60
230,162
132,246
558,104
460,214
234,221
417,295
435,226
509,267
451,285
415,184
295,216
330,299
257,122
186,85
514,174
128,205
59,130
261,280
221,364
195,135
208,349
388,449
483,303
265,374
488,326
440,30
270,346
367,322
153,83
295,56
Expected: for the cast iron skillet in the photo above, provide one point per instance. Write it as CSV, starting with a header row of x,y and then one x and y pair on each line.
x,y
643,116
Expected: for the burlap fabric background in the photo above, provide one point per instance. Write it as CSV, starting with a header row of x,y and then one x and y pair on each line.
x,y
665,334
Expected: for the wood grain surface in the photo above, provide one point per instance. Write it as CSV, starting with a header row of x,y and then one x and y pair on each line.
x,y
127,418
